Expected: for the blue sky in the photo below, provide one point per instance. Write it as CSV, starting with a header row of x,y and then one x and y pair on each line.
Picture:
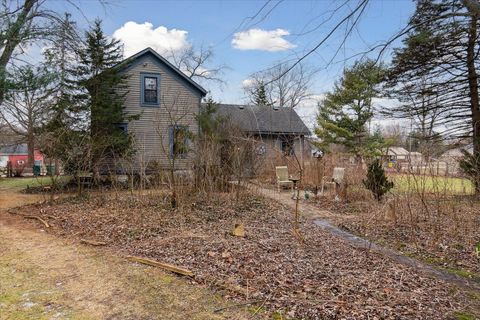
x,y
214,23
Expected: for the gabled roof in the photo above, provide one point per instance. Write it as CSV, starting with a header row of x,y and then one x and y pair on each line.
x,y
149,51
264,119
17,149
399,151
457,152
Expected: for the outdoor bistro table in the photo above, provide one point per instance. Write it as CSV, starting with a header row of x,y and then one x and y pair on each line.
x,y
295,190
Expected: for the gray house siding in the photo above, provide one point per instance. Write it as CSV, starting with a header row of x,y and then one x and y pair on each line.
x,y
273,145
179,102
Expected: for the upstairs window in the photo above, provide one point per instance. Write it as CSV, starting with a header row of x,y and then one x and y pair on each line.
x,y
150,89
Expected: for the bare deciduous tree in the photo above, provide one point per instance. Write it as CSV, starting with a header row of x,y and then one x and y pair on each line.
x,y
285,91
197,64
26,104
16,28
174,134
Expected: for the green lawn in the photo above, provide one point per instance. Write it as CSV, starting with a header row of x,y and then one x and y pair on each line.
x,y
24,182
429,184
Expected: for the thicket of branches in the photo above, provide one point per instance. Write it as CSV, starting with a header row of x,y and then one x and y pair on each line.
x,y
269,88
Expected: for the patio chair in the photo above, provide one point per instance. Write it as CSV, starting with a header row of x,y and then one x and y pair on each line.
x,y
336,179
282,178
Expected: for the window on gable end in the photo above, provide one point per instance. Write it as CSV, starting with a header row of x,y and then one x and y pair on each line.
x,y
150,89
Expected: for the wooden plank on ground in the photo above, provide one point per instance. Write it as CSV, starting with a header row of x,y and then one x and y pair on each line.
x,y
92,242
45,223
162,265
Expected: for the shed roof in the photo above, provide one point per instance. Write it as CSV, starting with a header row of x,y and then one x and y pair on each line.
x,y
149,51
18,149
264,119
398,151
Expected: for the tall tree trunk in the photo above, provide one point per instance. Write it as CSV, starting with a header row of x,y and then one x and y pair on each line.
x,y
31,149
473,7
474,99
14,38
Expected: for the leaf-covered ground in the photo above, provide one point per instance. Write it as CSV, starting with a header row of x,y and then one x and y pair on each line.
x,y
321,278
442,232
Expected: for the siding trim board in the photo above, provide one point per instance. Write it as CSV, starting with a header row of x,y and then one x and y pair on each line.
x,y
143,103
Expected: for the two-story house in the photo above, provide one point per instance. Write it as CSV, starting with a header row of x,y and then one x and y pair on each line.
x,y
166,101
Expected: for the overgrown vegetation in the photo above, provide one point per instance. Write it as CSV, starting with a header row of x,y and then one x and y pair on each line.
x,y
268,265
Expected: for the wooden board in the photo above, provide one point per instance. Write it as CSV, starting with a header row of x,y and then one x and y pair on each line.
x,y
162,265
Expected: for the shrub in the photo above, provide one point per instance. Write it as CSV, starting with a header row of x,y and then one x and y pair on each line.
x,y
470,166
377,181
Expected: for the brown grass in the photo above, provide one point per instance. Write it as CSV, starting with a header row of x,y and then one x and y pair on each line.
x,y
43,277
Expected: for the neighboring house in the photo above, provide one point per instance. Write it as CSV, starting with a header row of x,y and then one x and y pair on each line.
x,y
167,102
401,155
453,156
399,158
17,155
279,130
416,157
396,155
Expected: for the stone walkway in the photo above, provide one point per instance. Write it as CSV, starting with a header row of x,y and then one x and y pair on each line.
x,y
321,218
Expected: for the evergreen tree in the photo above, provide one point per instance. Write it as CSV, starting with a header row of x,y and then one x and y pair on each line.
x,y
375,144
61,60
439,58
104,95
260,95
207,120
377,181
470,165
345,112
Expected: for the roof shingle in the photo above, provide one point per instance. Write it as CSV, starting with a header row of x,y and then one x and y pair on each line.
x,y
263,119
18,149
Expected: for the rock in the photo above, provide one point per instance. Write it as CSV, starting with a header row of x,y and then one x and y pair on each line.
x,y
238,230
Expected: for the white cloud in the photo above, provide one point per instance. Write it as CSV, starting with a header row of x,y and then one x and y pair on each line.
x,y
247,83
136,37
258,39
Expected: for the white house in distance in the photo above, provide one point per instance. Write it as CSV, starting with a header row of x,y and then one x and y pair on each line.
x,y
401,155
453,156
